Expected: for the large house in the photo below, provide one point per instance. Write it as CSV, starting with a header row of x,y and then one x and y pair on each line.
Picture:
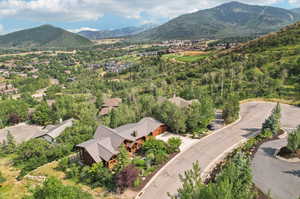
x,y
106,141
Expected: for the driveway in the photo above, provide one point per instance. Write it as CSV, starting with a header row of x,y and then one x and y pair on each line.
x,y
213,147
281,178
21,132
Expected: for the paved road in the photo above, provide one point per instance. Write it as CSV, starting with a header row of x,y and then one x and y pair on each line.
x,y
211,147
281,178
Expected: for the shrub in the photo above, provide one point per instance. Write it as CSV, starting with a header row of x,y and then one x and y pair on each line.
x,y
126,177
137,182
154,145
174,144
272,124
139,162
294,140
160,157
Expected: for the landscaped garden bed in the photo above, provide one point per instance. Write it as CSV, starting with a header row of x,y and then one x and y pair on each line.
x,y
270,131
292,150
131,171
286,153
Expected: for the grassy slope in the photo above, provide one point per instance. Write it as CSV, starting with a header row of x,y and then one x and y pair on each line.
x,y
18,189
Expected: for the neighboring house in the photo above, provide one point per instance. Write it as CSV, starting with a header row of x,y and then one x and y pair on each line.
x,y
52,132
109,104
106,142
178,101
7,89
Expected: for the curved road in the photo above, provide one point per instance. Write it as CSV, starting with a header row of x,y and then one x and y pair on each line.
x,y
210,148
281,178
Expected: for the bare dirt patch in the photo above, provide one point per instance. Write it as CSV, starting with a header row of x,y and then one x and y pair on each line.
x,y
192,53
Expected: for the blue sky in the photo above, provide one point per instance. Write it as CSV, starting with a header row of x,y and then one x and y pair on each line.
x,y
78,15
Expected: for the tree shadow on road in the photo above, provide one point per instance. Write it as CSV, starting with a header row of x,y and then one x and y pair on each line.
x,y
269,151
294,172
250,132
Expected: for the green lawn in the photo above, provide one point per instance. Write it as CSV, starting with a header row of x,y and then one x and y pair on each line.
x,y
185,58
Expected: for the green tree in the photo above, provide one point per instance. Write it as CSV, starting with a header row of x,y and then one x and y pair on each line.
x,y
43,115
114,119
172,116
191,183
122,159
294,140
231,109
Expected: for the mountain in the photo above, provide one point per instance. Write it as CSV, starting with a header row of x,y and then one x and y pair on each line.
x,y
227,20
295,10
45,36
122,32
286,41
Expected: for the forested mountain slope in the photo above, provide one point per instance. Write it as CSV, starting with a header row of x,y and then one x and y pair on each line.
x,y
227,20
267,67
43,36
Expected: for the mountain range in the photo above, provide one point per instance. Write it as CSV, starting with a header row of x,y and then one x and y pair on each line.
x,y
45,36
227,20
122,32
232,19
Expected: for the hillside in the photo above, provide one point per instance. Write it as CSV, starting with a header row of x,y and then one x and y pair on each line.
x,y
286,39
45,36
296,10
122,32
227,20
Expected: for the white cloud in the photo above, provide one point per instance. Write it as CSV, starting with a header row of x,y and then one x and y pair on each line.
x,y
2,31
81,10
82,29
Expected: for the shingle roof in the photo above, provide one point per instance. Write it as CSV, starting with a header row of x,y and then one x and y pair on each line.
x,y
113,102
55,131
180,102
106,141
142,128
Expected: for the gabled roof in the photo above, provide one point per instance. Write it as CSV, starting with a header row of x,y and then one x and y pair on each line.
x,y
180,102
55,131
113,102
106,141
141,129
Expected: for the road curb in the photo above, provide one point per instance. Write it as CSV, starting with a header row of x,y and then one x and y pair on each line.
x,y
207,170
179,154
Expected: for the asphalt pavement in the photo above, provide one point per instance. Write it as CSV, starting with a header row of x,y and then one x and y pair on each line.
x,y
214,147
